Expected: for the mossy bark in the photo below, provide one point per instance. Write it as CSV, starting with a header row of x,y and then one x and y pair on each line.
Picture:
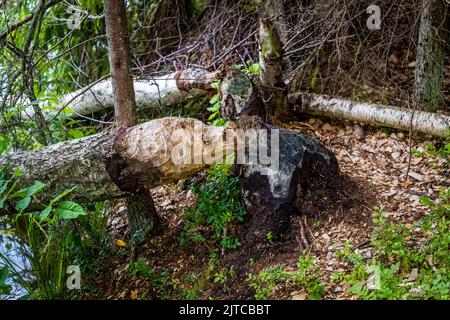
x,y
273,89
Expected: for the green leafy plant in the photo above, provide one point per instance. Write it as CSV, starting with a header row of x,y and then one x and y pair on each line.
x,y
217,211
441,151
215,118
250,68
54,237
265,281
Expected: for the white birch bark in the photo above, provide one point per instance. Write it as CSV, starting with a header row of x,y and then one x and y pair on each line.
x,y
161,90
375,114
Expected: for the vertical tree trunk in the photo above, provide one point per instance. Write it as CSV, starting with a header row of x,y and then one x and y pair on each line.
x,y
429,71
142,214
274,9
273,89
119,61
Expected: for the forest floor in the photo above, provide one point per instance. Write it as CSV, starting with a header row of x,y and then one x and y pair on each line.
x,y
374,174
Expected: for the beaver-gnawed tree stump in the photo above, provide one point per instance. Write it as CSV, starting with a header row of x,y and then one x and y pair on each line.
x,y
306,170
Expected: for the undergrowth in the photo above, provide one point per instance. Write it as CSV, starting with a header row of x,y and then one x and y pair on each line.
x,y
218,210
409,262
307,277
51,237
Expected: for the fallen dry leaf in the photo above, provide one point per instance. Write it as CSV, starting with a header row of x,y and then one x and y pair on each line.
x,y
121,243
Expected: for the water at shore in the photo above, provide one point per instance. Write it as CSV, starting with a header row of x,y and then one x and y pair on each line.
x,y
12,254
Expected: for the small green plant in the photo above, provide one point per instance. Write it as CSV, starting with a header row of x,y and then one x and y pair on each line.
x,y
215,118
140,268
161,282
222,277
218,209
265,281
346,253
307,277
269,237
250,68
442,151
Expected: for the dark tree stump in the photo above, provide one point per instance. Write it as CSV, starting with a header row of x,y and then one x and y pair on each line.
x,y
306,169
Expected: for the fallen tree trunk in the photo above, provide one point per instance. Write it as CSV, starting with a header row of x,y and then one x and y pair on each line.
x,y
161,90
282,172
374,114
166,90
113,164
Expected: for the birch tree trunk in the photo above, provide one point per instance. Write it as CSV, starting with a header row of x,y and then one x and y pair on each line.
x,y
141,211
151,92
429,70
373,114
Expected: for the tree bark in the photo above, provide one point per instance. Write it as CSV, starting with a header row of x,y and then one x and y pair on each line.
x,y
273,89
275,10
162,90
63,165
119,62
429,72
373,114
140,156
141,211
